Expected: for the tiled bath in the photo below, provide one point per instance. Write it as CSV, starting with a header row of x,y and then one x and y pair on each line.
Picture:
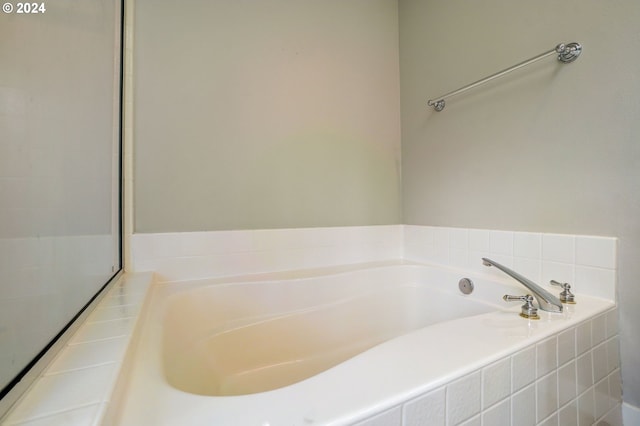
x,y
572,378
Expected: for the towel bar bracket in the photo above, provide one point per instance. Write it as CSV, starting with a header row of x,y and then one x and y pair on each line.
x,y
568,52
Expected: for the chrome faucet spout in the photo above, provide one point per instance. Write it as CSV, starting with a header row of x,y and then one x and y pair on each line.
x,y
546,301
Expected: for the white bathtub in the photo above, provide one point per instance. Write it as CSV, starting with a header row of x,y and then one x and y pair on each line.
x,y
266,335
331,346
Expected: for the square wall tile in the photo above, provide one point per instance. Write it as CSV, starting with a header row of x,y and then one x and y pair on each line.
x,y
463,398
558,248
479,240
613,354
111,313
586,408
568,415
523,370
93,331
567,387
566,346
496,382
152,246
441,237
459,238
428,409
613,417
615,386
418,253
547,395
526,244
459,258
612,322
598,329
546,359
584,372
523,407
215,242
596,251
550,421
596,282
90,354
600,364
392,417
276,239
583,337
474,421
498,415
601,397
62,392
418,235
77,417
561,272
501,242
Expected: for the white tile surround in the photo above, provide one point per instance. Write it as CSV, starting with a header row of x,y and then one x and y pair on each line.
x,y
75,388
558,381
572,378
194,255
588,263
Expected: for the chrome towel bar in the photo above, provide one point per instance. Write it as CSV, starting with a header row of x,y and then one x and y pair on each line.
x,y
566,53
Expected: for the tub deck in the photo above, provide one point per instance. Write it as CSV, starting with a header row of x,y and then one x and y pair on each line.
x,y
369,382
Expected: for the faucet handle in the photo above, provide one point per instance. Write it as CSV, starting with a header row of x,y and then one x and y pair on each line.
x,y
565,296
527,310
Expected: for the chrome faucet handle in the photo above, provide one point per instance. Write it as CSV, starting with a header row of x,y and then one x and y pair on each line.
x,y
565,296
527,310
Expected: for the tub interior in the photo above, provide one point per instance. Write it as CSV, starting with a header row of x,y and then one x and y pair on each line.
x,y
245,338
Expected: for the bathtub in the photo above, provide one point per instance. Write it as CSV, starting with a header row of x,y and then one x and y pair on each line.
x,y
332,346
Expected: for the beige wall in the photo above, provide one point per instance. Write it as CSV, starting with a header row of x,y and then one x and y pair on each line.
x,y
278,114
551,148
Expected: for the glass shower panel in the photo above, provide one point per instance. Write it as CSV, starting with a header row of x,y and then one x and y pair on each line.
x,y
59,169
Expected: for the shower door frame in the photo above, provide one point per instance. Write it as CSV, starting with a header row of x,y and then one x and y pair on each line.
x,y
12,391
